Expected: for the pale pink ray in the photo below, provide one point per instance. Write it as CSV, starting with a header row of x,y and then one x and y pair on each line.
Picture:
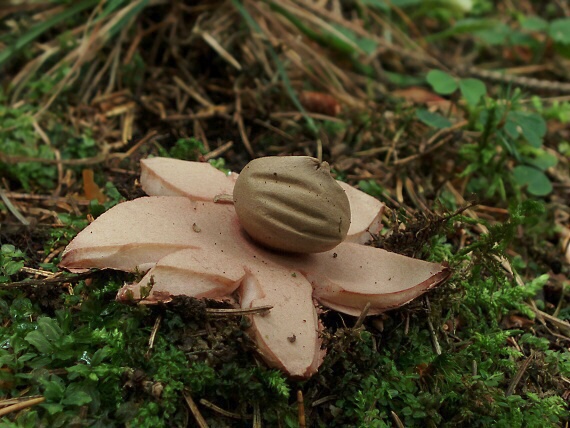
x,y
199,181
137,234
190,272
287,336
352,275
366,215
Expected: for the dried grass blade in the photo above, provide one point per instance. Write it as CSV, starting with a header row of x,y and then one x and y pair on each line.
x,y
39,29
279,64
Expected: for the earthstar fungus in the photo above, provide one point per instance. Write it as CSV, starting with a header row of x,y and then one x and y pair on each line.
x,y
193,246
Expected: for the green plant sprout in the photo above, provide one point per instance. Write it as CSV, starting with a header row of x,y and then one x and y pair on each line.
x,y
11,261
519,136
509,134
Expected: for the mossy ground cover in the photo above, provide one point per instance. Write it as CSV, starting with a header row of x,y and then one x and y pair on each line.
x,y
453,113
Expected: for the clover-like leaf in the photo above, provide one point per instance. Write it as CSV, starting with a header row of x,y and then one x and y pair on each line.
x,y
472,90
442,82
535,180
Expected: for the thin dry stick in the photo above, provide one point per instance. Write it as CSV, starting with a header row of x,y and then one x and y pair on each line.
x,y
323,400
239,119
319,149
224,412
301,409
44,273
214,44
152,337
256,415
216,111
60,177
233,312
48,198
409,185
431,146
21,405
362,316
397,420
10,401
58,280
137,146
278,131
519,375
436,346
12,208
295,114
219,151
31,68
85,161
561,300
193,93
194,409
53,253
562,325
526,82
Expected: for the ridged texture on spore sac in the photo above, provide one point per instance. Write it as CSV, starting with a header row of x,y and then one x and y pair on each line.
x,y
292,204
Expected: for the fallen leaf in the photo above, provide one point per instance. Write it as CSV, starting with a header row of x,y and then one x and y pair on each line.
x,y
92,191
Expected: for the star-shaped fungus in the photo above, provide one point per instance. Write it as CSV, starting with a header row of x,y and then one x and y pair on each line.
x,y
193,246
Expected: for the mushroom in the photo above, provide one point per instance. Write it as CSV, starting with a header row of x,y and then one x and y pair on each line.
x,y
193,246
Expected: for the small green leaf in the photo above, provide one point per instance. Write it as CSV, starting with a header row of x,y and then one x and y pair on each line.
x,y
534,23
542,160
560,30
26,357
53,389
40,342
530,125
8,249
44,337
472,90
53,408
371,187
100,355
76,398
465,26
442,82
536,181
49,328
433,119
496,34
13,267
471,168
